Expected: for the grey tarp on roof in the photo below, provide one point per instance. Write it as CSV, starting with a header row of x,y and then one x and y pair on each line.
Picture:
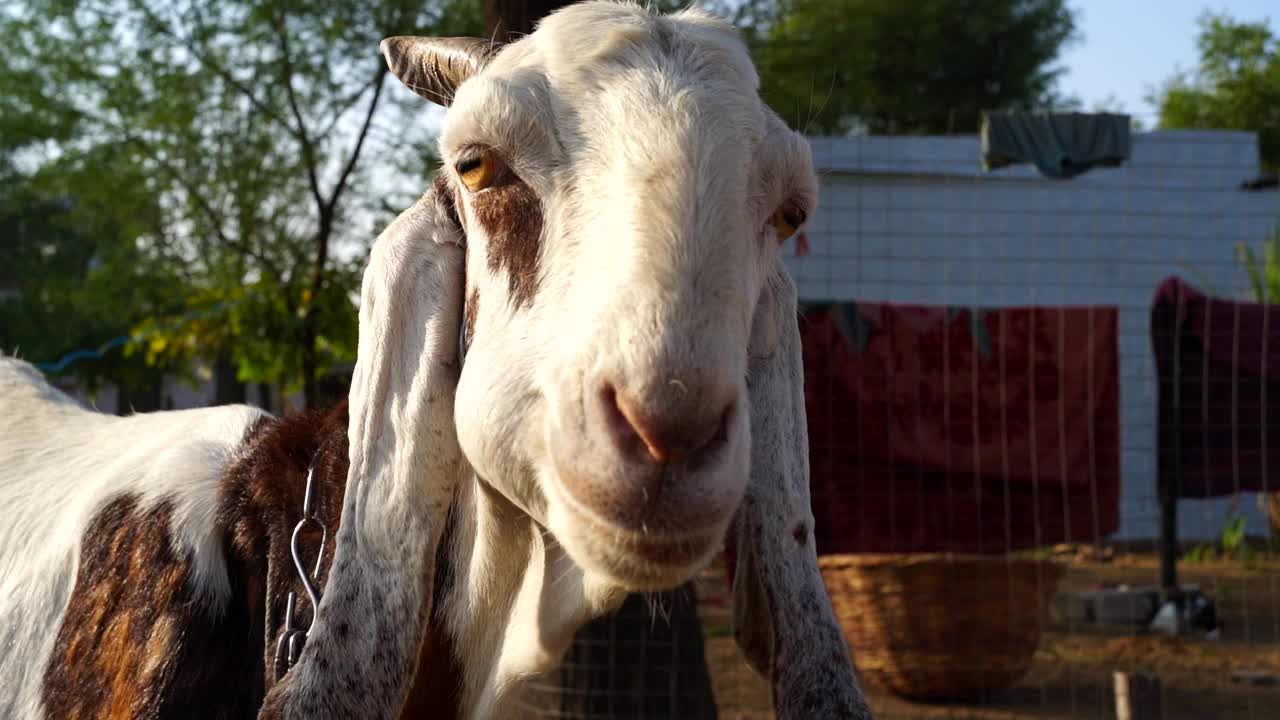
x,y
1060,145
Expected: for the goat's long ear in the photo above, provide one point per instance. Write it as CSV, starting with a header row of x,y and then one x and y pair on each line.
x,y
405,465
783,619
436,67
401,401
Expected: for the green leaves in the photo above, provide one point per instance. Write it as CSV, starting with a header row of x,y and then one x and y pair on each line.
x,y
253,323
219,160
1264,274
75,274
1236,86
836,66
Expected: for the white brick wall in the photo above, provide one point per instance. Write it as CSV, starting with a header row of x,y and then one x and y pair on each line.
x,y
916,220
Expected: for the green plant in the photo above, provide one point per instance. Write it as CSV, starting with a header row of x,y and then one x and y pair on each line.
x,y
1235,545
1231,544
1264,273
1264,281
1233,535
1201,553
1234,86
1038,553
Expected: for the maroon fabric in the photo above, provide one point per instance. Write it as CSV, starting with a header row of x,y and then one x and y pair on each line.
x,y
1218,365
933,430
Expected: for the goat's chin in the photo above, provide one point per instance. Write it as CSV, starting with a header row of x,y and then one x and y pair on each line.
x,y
636,562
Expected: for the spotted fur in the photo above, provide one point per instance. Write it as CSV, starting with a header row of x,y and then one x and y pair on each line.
x,y
261,502
630,249
66,470
136,641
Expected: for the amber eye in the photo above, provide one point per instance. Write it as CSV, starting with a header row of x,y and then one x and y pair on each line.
x,y
477,171
787,219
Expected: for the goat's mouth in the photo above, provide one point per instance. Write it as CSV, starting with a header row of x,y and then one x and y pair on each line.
x,y
641,560
644,507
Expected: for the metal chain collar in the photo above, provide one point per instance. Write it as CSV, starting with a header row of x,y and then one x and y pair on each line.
x,y
291,641
289,648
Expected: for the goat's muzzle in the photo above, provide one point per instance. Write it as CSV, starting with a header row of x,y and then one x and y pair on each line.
x,y
650,476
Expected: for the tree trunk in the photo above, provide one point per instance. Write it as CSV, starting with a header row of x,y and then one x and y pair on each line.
x,y
265,401
311,316
146,398
508,20
310,394
227,389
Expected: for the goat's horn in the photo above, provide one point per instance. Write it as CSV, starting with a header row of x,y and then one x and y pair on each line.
x,y
436,67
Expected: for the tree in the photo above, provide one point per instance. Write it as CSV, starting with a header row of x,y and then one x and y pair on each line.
x,y
508,20
885,66
254,124
72,272
1236,86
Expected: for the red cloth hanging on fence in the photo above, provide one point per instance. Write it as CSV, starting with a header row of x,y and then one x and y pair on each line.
x,y
935,430
802,244
1218,369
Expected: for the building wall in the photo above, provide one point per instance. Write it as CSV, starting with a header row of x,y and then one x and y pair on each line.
x,y
917,220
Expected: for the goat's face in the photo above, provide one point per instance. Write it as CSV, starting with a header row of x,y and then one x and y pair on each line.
x,y
622,190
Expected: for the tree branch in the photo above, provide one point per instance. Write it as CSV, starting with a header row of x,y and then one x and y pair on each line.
x,y
308,149
207,209
364,133
344,106
162,28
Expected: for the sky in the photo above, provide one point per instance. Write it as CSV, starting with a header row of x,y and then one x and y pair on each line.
x,y
1130,47
1127,48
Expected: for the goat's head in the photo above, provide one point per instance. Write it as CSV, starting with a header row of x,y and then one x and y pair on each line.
x,y
622,191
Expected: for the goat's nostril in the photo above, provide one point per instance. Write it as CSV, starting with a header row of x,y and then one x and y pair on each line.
x,y
638,428
620,427
719,436
670,437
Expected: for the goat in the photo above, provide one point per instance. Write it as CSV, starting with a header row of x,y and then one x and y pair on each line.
x,y
578,372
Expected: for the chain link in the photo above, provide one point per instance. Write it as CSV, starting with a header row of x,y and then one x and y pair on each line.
x,y
289,648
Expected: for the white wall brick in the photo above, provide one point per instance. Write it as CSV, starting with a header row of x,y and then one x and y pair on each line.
x,y
915,220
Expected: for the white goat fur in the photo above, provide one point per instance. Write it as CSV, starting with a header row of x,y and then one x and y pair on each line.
x,y
657,169
50,492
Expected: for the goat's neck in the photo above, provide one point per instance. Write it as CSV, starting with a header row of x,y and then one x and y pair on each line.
x,y
358,658
514,601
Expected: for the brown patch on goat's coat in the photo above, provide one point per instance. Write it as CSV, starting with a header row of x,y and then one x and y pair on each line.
x,y
473,311
511,215
440,186
265,497
262,502
801,534
136,641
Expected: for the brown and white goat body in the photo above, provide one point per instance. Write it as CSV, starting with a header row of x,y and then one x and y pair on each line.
x,y
604,234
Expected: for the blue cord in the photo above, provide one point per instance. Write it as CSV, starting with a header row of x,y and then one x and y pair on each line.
x,y
74,355
55,368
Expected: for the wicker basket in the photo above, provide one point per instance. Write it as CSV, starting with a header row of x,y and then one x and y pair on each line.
x,y
940,627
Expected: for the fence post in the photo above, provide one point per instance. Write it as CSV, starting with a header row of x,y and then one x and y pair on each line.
x,y
1138,697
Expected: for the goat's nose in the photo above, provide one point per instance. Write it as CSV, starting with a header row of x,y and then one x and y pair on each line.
x,y
675,432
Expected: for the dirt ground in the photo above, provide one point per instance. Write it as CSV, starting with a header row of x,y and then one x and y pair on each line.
x,y
1071,676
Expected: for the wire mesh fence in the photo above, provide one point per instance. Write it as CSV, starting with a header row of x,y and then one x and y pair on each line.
x,y
1040,443
1039,413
